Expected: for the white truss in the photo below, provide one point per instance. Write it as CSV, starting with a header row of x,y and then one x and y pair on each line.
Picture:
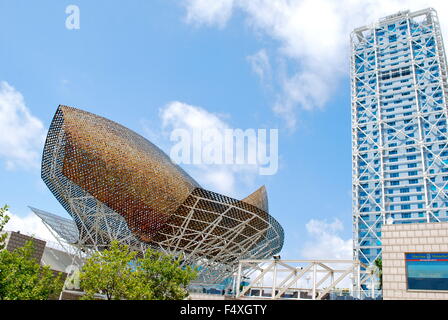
x,y
301,279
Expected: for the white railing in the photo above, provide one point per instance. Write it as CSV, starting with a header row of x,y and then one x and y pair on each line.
x,y
303,279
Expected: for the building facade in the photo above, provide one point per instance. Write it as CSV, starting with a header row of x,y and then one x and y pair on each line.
x,y
399,128
415,261
15,240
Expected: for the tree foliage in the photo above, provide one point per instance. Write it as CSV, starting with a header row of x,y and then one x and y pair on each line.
x,y
119,273
23,278
379,268
3,220
161,277
108,272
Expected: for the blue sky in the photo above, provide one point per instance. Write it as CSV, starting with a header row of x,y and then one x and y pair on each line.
x,y
245,64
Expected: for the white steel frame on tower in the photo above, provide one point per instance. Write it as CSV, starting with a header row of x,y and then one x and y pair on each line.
x,y
399,126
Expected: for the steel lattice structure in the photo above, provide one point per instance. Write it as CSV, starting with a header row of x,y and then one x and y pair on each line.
x,y
399,126
116,185
299,279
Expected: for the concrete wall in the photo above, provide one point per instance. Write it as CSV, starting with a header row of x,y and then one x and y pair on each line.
x,y
398,239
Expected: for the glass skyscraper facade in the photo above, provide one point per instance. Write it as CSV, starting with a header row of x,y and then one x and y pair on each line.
x,y
399,126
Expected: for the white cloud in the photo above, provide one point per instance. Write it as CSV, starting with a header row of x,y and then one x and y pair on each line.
x,y
21,134
223,180
30,225
220,178
178,115
325,241
313,36
260,65
182,115
209,12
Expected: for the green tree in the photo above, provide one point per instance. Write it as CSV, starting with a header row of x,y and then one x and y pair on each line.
x,y
379,270
3,220
108,272
23,278
119,274
161,277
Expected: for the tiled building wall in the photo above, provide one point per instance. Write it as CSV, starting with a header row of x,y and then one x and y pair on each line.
x,y
16,240
399,239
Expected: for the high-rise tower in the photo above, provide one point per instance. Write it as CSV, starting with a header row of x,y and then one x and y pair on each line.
x,y
399,126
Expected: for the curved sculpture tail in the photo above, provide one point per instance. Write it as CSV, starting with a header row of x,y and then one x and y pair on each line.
x,y
259,199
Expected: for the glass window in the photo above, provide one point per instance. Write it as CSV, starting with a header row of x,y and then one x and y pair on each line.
x,y
406,215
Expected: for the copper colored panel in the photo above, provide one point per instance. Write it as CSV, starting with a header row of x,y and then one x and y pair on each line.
x,y
259,199
123,170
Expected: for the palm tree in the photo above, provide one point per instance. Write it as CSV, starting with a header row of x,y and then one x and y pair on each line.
x,y
379,268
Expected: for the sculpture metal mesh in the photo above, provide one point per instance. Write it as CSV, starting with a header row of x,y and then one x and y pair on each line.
x,y
118,185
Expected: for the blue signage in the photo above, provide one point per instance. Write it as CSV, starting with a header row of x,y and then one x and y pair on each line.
x,y
426,256
427,271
